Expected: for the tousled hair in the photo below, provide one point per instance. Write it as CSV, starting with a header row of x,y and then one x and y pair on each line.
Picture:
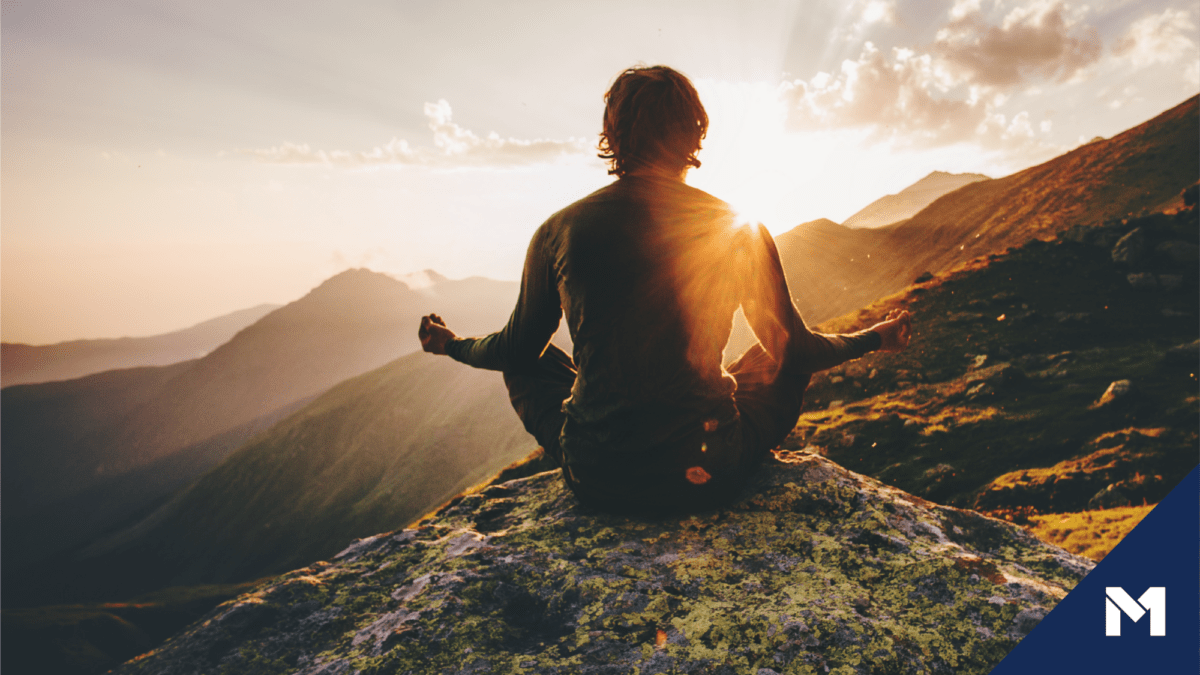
x,y
652,117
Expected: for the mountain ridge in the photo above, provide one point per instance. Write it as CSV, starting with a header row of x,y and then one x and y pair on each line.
x,y
22,363
63,438
378,449
1134,171
891,209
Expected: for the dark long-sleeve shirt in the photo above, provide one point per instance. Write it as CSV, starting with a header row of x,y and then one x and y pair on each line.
x,y
649,272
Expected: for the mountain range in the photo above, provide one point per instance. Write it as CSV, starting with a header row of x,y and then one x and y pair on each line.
x,y
375,450
25,364
834,269
81,455
1133,172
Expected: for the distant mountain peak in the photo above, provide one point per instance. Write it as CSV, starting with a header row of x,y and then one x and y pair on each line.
x,y
353,280
423,279
355,273
938,178
819,222
909,201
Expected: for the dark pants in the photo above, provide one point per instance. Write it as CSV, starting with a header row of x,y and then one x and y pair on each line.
x,y
705,469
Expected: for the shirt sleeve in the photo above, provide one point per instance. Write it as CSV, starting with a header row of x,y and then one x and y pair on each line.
x,y
534,320
818,351
777,323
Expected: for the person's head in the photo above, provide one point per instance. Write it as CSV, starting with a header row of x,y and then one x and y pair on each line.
x,y
653,119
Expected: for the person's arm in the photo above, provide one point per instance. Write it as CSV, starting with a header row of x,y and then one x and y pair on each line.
x,y
779,327
521,342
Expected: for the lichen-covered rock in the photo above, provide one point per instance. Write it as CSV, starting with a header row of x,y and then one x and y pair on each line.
x,y
1142,281
815,570
1117,391
1131,248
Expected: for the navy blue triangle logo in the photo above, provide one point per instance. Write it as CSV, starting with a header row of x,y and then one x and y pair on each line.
x,y
1137,611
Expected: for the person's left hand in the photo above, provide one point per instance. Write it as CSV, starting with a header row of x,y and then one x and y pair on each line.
x,y
434,335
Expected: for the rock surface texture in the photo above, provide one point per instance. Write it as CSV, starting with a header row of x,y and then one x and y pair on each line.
x,y
815,570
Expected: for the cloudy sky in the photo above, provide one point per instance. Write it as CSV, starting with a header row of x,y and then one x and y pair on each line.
x,y
167,162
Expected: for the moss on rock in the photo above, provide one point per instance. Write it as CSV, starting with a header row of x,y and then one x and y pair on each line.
x,y
816,569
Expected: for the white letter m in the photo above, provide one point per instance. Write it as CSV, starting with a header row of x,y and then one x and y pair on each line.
x,y
1152,602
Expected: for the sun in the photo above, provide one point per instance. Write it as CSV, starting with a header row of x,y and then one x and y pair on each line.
x,y
745,158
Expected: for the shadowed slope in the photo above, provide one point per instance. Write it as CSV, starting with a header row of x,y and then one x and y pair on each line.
x,y
371,454
64,439
999,401
353,322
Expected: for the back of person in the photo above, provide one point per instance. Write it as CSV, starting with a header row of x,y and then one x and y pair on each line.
x,y
648,285
648,280
648,273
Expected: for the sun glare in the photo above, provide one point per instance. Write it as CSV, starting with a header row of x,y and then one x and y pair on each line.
x,y
782,177
743,159
774,175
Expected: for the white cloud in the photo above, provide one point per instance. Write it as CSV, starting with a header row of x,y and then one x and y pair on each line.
x,y
1158,38
865,16
962,87
1019,129
396,151
462,144
905,97
455,146
872,90
879,11
962,8
1042,40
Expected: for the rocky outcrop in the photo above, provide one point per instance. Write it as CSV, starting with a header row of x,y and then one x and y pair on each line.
x,y
1131,248
1117,392
816,569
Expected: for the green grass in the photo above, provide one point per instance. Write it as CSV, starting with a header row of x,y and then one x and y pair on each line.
x,y
977,396
1091,534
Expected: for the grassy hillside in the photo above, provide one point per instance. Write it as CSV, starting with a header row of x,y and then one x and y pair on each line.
x,y
997,403
26,364
1091,534
372,454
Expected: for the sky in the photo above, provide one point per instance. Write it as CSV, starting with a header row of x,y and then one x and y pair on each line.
x,y
164,163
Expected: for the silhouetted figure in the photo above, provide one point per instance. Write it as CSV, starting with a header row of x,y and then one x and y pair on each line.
x,y
648,272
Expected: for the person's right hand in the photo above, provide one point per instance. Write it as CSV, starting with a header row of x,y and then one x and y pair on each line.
x,y
434,335
894,331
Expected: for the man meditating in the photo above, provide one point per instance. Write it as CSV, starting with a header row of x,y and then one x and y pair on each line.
x,y
648,273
